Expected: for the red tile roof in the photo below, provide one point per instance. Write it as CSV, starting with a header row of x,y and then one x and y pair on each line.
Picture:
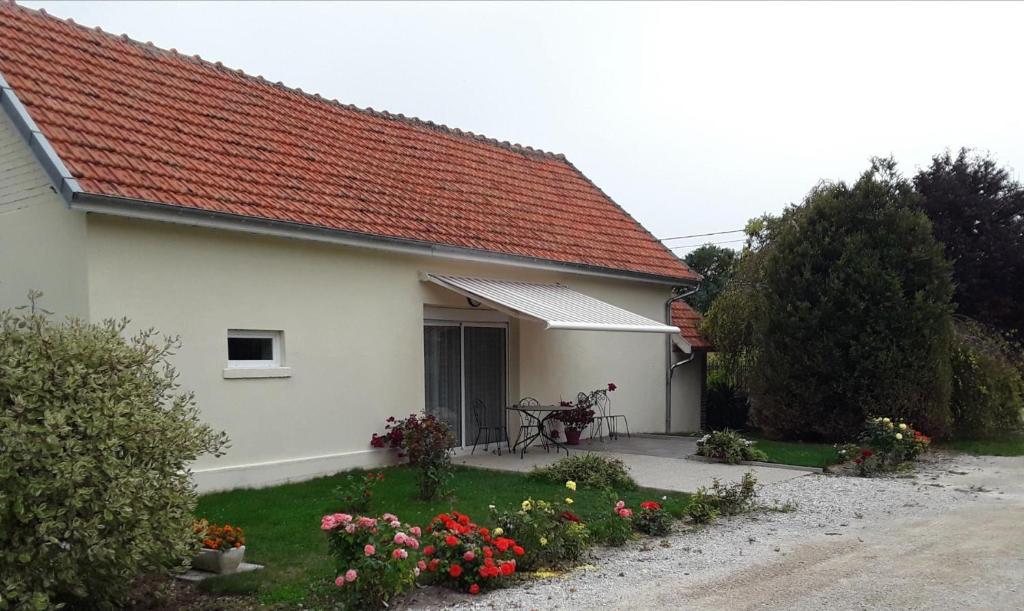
x,y
133,121
688,320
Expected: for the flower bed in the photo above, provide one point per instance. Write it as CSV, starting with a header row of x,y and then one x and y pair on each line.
x,y
885,444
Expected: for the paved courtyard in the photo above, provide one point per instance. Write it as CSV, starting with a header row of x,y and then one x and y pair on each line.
x,y
654,461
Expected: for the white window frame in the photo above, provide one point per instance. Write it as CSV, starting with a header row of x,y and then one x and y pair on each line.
x,y
270,368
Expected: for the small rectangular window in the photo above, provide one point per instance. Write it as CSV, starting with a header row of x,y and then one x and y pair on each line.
x,y
249,349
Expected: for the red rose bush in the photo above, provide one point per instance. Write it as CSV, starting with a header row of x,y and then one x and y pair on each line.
x,y
461,555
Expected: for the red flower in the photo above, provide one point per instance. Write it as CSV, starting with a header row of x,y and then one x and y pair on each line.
x,y
432,565
570,516
518,551
508,568
484,532
651,505
451,540
428,550
611,386
474,589
866,453
502,544
488,552
455,570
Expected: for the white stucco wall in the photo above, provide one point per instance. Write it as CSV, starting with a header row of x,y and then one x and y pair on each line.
x,y
42,242
686,392
353,335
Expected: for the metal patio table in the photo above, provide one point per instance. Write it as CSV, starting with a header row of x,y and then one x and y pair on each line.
x,y
536,417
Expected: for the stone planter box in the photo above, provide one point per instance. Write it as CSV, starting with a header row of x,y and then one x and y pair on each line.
x,y
217,561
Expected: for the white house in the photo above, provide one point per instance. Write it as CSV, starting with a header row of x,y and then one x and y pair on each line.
x,y
325,266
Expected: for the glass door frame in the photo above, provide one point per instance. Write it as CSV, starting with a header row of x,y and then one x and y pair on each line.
x,y
462,324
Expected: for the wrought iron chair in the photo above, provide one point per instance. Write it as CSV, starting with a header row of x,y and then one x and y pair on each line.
x,y
478,410
527,429
602,399
603,423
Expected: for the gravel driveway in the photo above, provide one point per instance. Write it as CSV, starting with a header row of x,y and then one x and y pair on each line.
x,y
952,536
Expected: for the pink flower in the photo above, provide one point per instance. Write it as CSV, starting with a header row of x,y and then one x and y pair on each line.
x,y
421,565
351,575
396,524
389,517
625,512
365,522
413,543
369,550
340,581
328,523
468,556
399,538
343,518
400,553
350,528
620,504
415,530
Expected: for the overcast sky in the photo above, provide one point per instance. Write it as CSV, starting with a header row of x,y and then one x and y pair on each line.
x,y
694,117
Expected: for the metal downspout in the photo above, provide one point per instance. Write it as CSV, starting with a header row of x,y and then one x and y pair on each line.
x,y
669,366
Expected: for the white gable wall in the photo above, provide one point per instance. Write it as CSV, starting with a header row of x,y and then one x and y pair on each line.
x,y
42,242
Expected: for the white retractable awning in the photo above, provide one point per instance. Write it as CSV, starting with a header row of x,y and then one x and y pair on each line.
x,y
557,306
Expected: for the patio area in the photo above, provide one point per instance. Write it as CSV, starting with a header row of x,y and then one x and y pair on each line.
x,y
654,461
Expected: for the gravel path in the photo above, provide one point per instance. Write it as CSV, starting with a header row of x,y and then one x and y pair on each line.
x,y
951,535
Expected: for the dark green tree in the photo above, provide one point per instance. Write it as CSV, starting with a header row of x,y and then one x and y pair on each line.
x,y
977,211
840,310
716,264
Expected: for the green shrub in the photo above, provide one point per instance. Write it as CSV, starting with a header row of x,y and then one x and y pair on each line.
x,y
590,470
839,310
988,389
723,499
617,527
552,535
355,494
95,444
729,446
702,508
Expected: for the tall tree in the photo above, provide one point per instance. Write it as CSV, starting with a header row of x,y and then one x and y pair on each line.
x,y
716,264
840,310
977,211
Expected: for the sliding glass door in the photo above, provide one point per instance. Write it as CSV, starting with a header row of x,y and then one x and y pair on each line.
x,y
465,376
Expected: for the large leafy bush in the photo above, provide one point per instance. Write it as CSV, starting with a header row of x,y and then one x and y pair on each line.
x,y
427,443
589,470
840,310
988,389
95,444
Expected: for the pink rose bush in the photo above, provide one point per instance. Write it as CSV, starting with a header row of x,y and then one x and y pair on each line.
x,y
376,558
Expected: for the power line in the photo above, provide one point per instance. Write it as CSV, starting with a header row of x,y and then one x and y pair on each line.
x,y
701,235
707,244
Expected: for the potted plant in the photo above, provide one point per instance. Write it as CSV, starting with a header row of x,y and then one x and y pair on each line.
x,y
575,420
223,547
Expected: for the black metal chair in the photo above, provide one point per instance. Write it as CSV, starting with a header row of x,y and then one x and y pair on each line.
x,y
526,430
478,411
602,423
602,399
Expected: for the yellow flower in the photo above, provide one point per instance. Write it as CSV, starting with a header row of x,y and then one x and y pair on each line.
x,y
569,500
888,424
903,427
899,436
543,541
498,532
571,485
886,420
527,505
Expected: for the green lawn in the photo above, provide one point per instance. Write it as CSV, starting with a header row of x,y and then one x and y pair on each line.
x,y
798,453
282,524
1001,447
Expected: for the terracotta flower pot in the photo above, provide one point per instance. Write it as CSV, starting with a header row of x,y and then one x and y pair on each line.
x,y
217,561
572,437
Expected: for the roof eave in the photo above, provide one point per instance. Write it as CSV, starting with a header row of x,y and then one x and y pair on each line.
x,y
182,215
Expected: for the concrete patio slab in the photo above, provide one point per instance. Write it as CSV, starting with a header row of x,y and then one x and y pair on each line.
x,y
654,461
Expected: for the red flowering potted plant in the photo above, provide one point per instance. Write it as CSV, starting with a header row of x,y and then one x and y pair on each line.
x,y
223,547
575,420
